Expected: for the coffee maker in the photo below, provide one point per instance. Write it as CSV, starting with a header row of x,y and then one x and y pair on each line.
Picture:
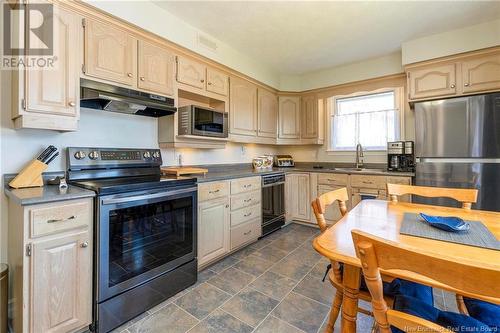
x,y
401,156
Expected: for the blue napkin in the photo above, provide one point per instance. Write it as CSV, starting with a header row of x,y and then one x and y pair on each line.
x,y
447,223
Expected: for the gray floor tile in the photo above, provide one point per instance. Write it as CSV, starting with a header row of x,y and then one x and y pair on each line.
x,y
171,317
221,322
253,265
292,268
231,280
287,243
274,285
250,306
312,287
202,300
262,243
301,312
271,253
124,327
364,323
223,264
205,275
275,325
245,252
306,254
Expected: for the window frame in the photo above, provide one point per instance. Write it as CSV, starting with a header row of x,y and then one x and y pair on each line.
x,y
331,109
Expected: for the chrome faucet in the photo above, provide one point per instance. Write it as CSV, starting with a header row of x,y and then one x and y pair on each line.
x,y
359,156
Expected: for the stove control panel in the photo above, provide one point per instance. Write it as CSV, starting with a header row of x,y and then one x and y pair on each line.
x,y
96,157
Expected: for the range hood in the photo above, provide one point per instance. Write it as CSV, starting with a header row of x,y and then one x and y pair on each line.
x,y
102,96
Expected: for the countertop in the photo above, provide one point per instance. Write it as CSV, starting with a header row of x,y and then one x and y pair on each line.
x,y
45,194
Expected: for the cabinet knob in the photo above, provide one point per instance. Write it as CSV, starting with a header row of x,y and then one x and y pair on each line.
x,y
466,84
227,206
142,78
209,83
84,244
452,86
71,104
129,74
202,80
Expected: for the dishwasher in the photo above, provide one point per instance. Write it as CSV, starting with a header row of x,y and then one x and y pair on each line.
x,y
273,202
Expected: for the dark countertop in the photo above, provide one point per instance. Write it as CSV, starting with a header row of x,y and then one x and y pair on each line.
x,y
45,194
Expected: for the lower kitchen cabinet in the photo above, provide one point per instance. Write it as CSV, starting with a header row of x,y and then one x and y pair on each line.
x,y
213,229
50,255
298,197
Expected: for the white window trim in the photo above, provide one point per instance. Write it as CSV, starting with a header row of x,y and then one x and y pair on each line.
x,y
332,102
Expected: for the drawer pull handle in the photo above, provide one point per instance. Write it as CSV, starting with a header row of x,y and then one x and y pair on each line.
x,y
84,244
247,233
213,192
247,185
247,200
248,214
72,217
365,182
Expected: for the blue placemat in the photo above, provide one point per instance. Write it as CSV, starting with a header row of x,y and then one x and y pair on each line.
x,y
478,235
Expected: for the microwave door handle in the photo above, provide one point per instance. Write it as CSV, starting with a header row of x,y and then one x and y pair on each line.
x,y
146,196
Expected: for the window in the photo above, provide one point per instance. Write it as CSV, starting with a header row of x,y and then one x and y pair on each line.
x,y
370,119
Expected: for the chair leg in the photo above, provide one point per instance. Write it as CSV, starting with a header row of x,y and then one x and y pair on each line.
x,y
461,305
335,310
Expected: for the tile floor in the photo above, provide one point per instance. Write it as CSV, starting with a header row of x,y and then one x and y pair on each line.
x,y
271,286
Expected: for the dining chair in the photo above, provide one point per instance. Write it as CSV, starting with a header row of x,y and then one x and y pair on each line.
x,y
411,315
465,196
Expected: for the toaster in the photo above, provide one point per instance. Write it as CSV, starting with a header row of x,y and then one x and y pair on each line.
x,y
283,161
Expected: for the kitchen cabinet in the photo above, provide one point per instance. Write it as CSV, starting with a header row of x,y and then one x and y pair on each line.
x,y
155,69
49,98
50,254
110,53
213,229
267,113
289,117
481,74
198,75
374,187
432,81
298,197
243,107
309,117
217,82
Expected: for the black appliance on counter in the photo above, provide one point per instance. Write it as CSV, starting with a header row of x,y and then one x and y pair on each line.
x,y
401,156
144,231
273,202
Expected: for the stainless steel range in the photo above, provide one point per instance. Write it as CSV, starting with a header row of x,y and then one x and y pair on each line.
x,y
144,230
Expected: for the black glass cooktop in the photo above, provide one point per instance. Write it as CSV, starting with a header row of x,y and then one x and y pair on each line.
x,y
129,184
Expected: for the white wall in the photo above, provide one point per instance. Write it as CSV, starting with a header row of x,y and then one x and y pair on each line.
x,y
452,42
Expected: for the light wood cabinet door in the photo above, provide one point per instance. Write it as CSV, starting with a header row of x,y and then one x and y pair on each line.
x,y
297,197
431,82
191,72
309,120
155,69
60,283
267,114
110,53
243,107
213,229
481,74
289,117
57,90
217,82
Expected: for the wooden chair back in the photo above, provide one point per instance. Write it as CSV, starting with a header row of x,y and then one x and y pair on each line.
x,y
465,196
377,254
320,204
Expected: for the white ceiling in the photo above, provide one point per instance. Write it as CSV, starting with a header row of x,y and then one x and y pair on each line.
x,y
296,37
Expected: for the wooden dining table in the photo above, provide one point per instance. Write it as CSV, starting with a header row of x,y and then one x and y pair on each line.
x,y
383,219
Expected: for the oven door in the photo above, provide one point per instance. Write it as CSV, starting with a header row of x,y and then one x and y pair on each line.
x,y
207,122
143,235
273,202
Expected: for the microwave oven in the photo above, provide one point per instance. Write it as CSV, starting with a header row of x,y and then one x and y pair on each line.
x,y
202,121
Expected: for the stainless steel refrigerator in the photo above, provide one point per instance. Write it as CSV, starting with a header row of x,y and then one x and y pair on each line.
x,y
457,144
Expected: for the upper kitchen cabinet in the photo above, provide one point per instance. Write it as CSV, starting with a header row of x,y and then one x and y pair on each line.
x,y
267,107
464,74
482,73
48,98
289,117
198,75
243,107
311,125
110,53
156,69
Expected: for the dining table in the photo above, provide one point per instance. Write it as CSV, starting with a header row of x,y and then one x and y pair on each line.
x,y
383,219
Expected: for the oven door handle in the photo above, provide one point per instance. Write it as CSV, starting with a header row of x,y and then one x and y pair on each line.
x,y
274,184
146,196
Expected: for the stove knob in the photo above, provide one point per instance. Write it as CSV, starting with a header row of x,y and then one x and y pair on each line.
x,y
94,155
79,155
147,154
156,154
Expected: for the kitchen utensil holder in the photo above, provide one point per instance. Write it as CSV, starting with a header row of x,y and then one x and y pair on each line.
x,y
30,176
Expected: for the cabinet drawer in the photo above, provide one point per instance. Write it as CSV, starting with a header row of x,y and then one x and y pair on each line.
x,y
245,184
399,180
245,214
366,181
245,199
245,233
52,218
332,179
209,191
